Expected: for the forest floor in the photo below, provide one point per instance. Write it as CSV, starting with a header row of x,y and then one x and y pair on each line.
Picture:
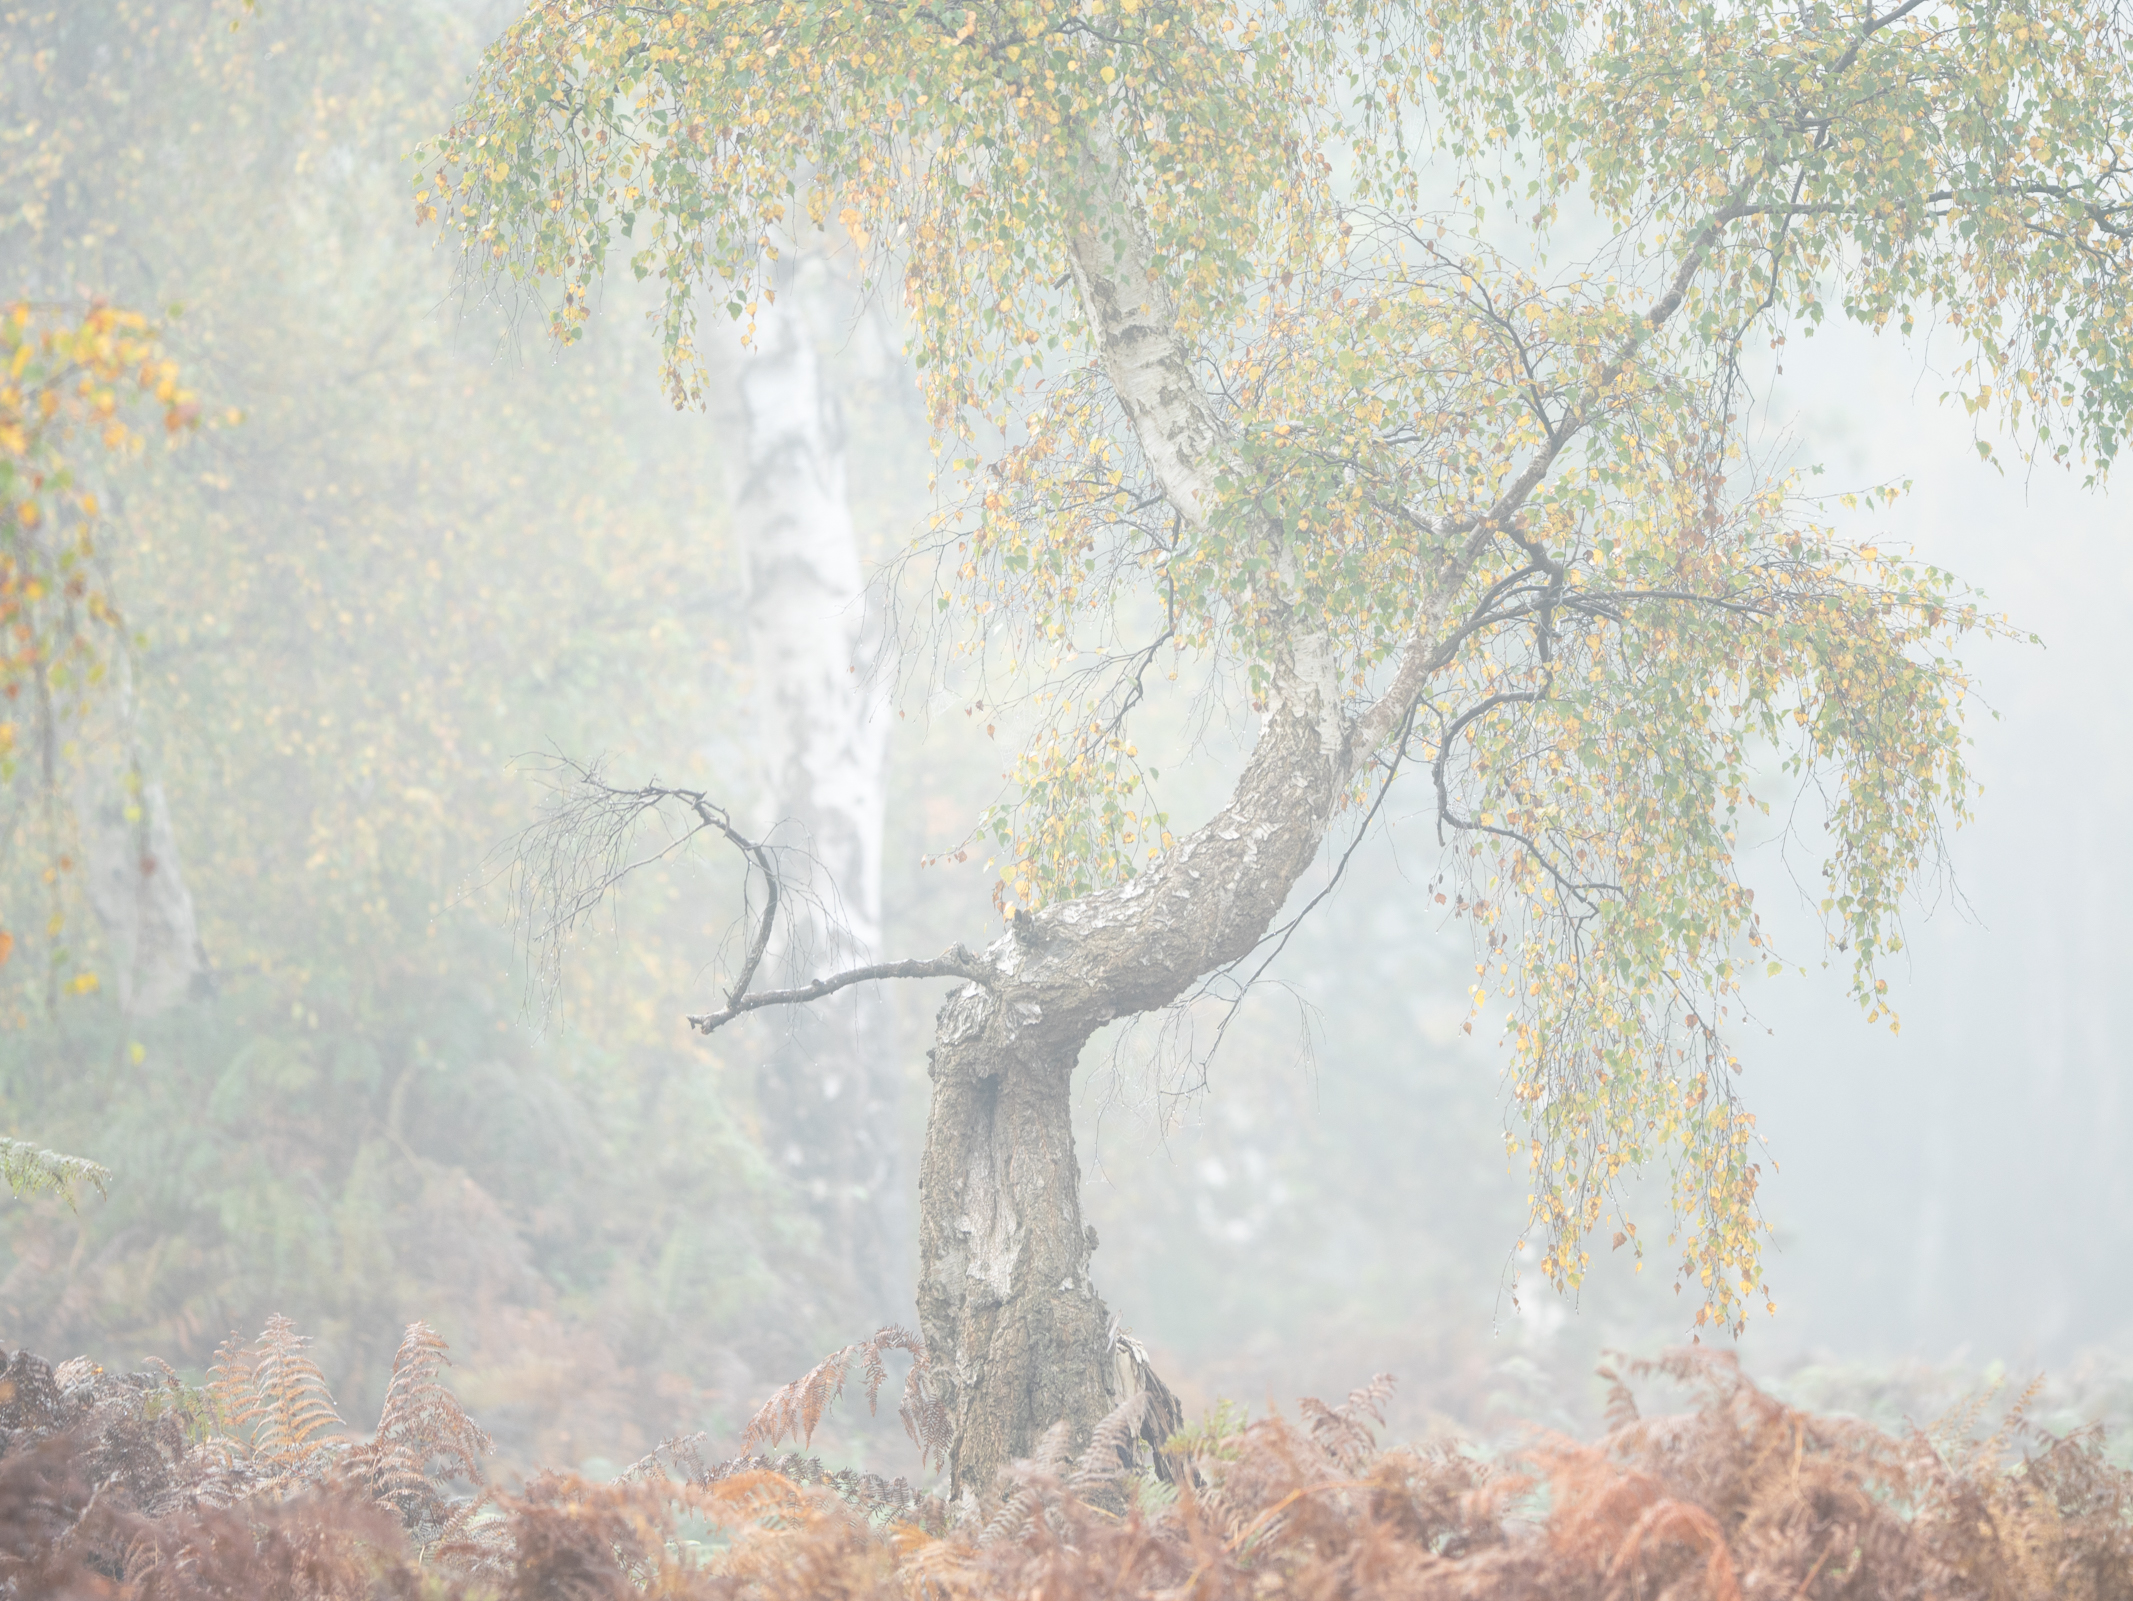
x,y
141,1486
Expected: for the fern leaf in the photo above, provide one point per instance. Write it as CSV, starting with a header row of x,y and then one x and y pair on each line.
x,y
925,1415
794,1410
421,1426
1621,1410
29,1169
272,1396
1679,1523
1343,1432
1110,1447
798,1408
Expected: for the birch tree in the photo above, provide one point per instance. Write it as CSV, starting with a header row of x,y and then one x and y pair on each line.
x,y
827,1087
1270,308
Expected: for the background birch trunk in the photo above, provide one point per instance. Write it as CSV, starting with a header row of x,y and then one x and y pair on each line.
x,y
135,881
827,1078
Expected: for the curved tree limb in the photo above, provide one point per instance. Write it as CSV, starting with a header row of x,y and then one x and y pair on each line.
x,y
568,862
955,962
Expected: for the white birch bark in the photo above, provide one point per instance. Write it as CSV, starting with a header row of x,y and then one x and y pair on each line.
x,y
827,1081
134,881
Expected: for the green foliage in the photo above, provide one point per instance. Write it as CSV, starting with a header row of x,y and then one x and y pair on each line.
x,y
1959,162
29,1168
944,138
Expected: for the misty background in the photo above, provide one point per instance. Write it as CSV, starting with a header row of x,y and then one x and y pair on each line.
x,y
421,553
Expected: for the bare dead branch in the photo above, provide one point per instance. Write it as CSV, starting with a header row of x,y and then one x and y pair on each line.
x,y
583,847
955,962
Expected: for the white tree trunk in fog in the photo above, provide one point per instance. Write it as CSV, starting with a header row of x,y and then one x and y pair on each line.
x,y
134,881
827,1086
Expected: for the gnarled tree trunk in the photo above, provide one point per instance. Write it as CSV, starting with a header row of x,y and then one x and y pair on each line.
x,y
1017,1333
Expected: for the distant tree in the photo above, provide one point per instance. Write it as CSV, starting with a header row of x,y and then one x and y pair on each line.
x,y
74,382
826,1086
1235,320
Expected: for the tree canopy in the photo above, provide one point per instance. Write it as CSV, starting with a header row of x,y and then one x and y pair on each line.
x,y
1399,360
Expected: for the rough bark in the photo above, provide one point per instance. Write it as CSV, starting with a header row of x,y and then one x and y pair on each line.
x,y
827,1081
1018,1335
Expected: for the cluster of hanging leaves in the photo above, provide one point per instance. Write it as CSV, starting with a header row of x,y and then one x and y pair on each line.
x,y
74,379
1961,160
1534,483
696,140
1739,1496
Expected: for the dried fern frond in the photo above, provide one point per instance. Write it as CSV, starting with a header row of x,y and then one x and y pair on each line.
x,y
1017,1508
679,1456
879,1501
1621,1407
1343,1432
322,1544
271,1397
1678,1523
1741,1496
424,1436
565,1537
795,1542
795,1411
1110,1448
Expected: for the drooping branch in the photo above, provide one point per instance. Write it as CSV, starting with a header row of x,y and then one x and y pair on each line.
x,y
582,849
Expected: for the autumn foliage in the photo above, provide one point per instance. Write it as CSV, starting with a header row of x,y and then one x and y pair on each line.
x,y
138,1486
66,374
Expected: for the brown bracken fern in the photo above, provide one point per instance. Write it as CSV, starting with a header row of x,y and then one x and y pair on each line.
x,y
1737,1498
795,1411
272,1403
424,1436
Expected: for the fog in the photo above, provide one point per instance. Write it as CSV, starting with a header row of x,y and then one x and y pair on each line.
x,y
418,554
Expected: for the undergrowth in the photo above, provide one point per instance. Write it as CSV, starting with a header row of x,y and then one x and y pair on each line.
x,y
139,1487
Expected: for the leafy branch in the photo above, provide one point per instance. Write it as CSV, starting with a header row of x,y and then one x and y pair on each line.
x,y
30,1169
